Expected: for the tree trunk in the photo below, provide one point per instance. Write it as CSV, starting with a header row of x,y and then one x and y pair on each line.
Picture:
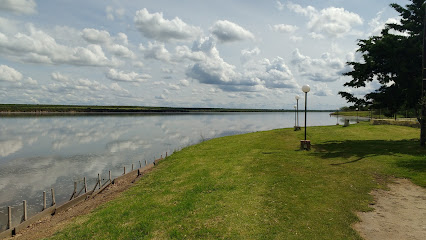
x,y
423,100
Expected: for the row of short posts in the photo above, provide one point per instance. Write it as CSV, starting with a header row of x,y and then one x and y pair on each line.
x,y
99,183
24,205
74,194
84,188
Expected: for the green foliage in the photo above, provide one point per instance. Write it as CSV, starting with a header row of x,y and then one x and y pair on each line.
x,y
260,186
344,109
395,61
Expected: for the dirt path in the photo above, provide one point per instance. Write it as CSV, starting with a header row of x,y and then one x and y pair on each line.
x,y
400,213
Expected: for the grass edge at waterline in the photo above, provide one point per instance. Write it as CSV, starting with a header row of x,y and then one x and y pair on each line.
x,y
261,186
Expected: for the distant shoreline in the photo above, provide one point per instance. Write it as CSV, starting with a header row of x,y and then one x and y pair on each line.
x,y
11,109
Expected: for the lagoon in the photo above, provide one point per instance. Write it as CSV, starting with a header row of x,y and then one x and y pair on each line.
x,y
38,153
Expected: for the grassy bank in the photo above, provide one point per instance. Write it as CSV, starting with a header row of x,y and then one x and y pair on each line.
x,y
261,186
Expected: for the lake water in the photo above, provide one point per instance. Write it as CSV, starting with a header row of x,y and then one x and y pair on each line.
x,y
38,153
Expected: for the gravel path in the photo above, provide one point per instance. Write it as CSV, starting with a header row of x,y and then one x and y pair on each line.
x,y
399,213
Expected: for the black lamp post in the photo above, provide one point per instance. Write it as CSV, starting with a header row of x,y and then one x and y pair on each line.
x,y
306,89
297,108
295,117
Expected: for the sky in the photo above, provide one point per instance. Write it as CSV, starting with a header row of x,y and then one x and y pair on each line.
x,y
188,53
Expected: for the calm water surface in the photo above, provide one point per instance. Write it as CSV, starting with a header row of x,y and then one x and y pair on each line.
x,y
38,153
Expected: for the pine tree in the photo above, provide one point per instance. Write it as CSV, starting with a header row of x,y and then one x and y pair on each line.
x,y
394,59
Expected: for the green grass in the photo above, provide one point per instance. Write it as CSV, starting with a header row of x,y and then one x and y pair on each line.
x,y
261,186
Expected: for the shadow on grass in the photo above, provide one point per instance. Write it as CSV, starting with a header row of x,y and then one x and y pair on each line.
x,y
360,149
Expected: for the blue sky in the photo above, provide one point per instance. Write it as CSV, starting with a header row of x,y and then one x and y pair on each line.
x,y
242,54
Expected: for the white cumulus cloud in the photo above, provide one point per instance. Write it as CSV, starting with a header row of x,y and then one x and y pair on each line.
x,y
324,69
118,89
247,54
284,28
123,38
19,6
276,74
31,81
96,36
114,13
210,68
36,46
8,25
321,89
184,83
279,5
57,76
103,38
153,25
377,24
333,22
126,77
155,50
226,31
9,74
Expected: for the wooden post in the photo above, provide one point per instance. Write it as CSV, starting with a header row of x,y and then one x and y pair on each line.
x,y
53,196
161,156
44,200
124,170
139,172
24,217
166,154
75,191
140,164
9,217
132,166
145,162
109,173
85,185
99,180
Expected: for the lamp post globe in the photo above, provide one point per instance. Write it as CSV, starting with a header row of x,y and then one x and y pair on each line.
x,y
306,88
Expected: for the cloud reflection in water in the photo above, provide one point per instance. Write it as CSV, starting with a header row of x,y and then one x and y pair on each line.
x,y
38,153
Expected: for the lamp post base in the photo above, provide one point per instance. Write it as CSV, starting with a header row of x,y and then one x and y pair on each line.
x,y
305,144
297,128
346,123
